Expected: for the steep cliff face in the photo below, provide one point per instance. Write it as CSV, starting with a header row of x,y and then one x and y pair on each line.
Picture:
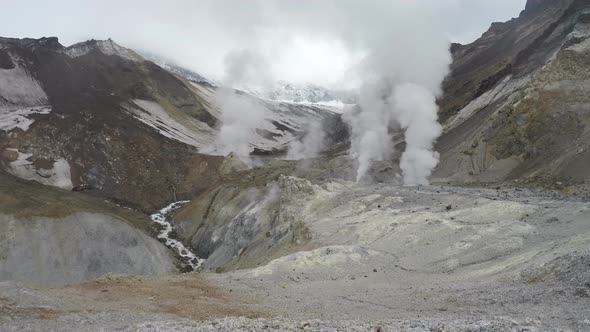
x,y
240,225
516,105
505,49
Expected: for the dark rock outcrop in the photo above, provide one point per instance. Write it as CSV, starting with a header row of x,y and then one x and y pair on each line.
x,y
515,104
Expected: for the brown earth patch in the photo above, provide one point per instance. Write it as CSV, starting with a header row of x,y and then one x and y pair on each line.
x,y
10,311
188,296
9,155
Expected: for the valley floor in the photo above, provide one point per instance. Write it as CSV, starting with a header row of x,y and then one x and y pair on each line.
x,y
382,258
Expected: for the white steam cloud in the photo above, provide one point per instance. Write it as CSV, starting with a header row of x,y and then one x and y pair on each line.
x,y
369,124
241,115
403,42
406,57
198,34
416,111
311,145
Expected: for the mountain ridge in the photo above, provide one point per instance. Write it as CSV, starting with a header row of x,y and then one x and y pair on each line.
x,y
503,129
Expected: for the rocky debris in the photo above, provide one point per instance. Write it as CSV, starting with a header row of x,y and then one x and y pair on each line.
x,y
117,278
552,220
571,269
430,255
232,164
292,187
126,322
367,257
244,324
293,211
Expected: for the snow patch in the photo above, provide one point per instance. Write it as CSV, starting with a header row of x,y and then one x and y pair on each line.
x,y
107,47
283,122
20,97
58,176
11,118
154,115
285,91
174,68
18,87
335,106
161,218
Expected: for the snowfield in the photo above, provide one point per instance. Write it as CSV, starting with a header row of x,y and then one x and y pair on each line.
x,y
12,118
185,130
57,176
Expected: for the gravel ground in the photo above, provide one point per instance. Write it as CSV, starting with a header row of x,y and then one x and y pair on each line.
x,y
383,259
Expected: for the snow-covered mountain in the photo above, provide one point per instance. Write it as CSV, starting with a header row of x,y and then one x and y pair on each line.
x,y
68,116
176,69
281,91
304,94
300,93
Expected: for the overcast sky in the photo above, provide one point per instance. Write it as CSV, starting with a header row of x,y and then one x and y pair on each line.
x,y
199,34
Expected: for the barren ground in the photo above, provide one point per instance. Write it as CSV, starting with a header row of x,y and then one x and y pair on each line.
x,y
381,257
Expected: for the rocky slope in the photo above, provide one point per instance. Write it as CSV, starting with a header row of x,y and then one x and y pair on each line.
x,y
516,106
85,117
52,237
368,257
513,109
96,116
376,252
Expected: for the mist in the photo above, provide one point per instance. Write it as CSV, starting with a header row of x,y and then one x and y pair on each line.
x,y
240,115
311,145
407,58
199,34
394,52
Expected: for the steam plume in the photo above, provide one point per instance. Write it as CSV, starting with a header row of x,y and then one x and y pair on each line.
x,y
311,145
241,115
416,111
369,128
405,59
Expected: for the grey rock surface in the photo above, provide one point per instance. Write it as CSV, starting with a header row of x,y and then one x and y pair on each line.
x,y
142,323
47,251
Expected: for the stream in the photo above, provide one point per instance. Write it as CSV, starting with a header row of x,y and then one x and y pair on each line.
x,y
162,218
